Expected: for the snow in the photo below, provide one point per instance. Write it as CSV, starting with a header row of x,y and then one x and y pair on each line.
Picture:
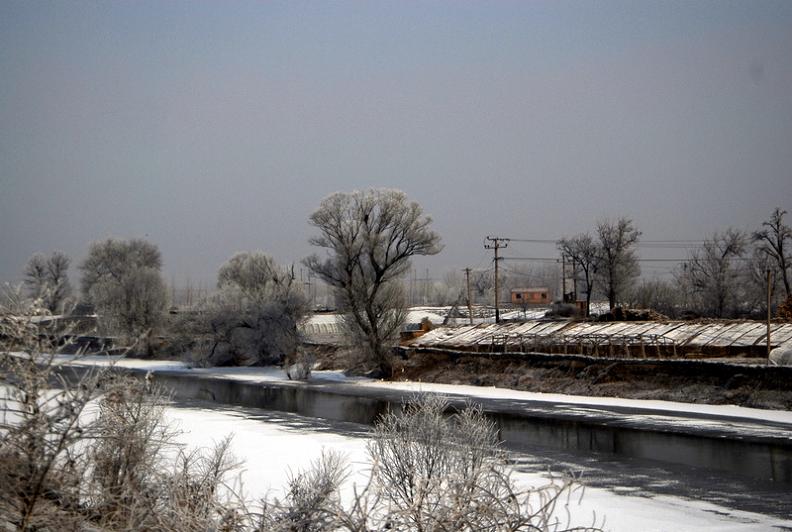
x,y
272,450
782,355
120,361
322,319
529,314
739,334
275,448
245,374
728,411
267,374
414,315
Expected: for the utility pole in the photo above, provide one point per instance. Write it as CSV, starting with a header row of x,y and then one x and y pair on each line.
x,y
563,279
497,243
574,282
769,289
309,286
469,305
426,288
412,286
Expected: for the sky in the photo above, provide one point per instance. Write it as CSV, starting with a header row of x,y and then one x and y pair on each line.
x,y
210,128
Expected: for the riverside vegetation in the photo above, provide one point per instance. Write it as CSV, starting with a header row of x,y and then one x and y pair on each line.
x,y
93,453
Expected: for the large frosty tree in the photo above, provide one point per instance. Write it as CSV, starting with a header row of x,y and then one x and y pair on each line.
x,y
122,279
370,237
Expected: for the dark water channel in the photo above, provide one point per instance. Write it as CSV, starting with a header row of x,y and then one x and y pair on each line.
x,y
764,459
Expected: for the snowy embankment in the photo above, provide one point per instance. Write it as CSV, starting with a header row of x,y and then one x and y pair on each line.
x,y
728,419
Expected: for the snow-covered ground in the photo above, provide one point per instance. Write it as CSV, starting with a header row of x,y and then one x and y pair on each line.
x,y
325,328
274,445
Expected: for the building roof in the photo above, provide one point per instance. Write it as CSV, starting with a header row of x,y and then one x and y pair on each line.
x,y
529,289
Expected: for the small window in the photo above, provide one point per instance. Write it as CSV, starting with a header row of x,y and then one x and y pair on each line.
x,y
544,295
518,296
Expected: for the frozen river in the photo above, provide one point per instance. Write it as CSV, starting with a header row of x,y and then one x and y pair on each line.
x,y
630,494
673,482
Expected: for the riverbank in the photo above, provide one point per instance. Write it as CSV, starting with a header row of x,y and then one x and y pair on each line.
x,y
744,382
269,387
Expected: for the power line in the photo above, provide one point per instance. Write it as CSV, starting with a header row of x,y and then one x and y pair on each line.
x,y
535,259
522,274
662,244
533,240
558,260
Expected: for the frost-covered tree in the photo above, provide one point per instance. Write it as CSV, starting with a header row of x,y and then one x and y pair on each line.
x,y
46,278
252,274
752,283
482,284
775,240
370,237
618,264
449,290
584,254
712,274
121,278
252,319
664,296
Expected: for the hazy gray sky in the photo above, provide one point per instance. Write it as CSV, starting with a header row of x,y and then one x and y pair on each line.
x,y
215,127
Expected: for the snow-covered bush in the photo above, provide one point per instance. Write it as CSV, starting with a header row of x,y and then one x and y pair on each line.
x,y
436,471
782,355
430,471
252,319
300,370
91,452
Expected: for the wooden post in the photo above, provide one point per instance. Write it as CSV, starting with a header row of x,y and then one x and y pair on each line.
x,y
469,304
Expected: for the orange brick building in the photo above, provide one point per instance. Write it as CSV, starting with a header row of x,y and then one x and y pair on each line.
x,y
530,296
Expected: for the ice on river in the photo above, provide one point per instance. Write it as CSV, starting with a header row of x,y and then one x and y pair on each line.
x,y
274,444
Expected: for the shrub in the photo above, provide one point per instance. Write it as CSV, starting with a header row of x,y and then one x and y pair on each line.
x,y
91,451
430,471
